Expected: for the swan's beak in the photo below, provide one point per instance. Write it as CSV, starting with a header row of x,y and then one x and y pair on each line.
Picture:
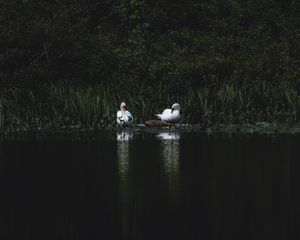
x,y
172,110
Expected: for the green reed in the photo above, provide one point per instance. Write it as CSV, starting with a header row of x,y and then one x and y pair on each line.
x,y
94,107
2,111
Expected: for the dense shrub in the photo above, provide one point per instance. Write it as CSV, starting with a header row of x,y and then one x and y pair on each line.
x,y
125,45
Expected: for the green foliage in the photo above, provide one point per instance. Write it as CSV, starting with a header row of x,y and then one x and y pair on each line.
x,y
94,107
74,61
2,111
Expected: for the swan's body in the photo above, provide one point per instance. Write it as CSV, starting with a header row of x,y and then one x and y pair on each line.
x,y
170,115
124,117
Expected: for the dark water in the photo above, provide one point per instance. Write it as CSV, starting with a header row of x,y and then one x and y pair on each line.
x,y
151,186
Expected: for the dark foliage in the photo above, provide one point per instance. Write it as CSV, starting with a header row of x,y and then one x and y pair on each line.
x,y
119,44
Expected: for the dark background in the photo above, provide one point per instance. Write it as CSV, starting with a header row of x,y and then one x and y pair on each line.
x,y
161,51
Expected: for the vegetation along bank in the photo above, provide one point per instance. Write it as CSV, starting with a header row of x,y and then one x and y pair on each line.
x,y
67,63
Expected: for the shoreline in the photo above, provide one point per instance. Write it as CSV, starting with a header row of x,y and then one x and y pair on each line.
x,y
260,128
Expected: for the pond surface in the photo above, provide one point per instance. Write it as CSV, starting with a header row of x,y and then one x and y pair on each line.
x,y
164,185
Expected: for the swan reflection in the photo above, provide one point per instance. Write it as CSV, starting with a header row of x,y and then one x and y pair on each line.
x,y
124,136
167,136
123,143
123,139
170,153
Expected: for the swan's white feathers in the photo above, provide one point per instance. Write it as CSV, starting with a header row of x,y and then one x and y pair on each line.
x,y
170,115
124,117
167,111
129,115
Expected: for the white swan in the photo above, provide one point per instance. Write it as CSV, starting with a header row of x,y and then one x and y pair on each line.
x,y
124,117
170,115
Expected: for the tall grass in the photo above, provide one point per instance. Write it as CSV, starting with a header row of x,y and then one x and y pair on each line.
x,y
83,107
95,107
248,104
2,111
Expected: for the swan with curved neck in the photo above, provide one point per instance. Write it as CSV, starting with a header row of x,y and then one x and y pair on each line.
x,y
170,115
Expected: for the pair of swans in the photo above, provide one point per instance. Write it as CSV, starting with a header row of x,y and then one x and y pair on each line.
x,y
125,118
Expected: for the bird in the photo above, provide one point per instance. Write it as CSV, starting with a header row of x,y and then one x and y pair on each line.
x,y
124,117
170,115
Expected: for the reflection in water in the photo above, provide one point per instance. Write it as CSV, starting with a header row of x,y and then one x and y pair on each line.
x,y
170,143
193,187
123,139
164,136
124,136
170,151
